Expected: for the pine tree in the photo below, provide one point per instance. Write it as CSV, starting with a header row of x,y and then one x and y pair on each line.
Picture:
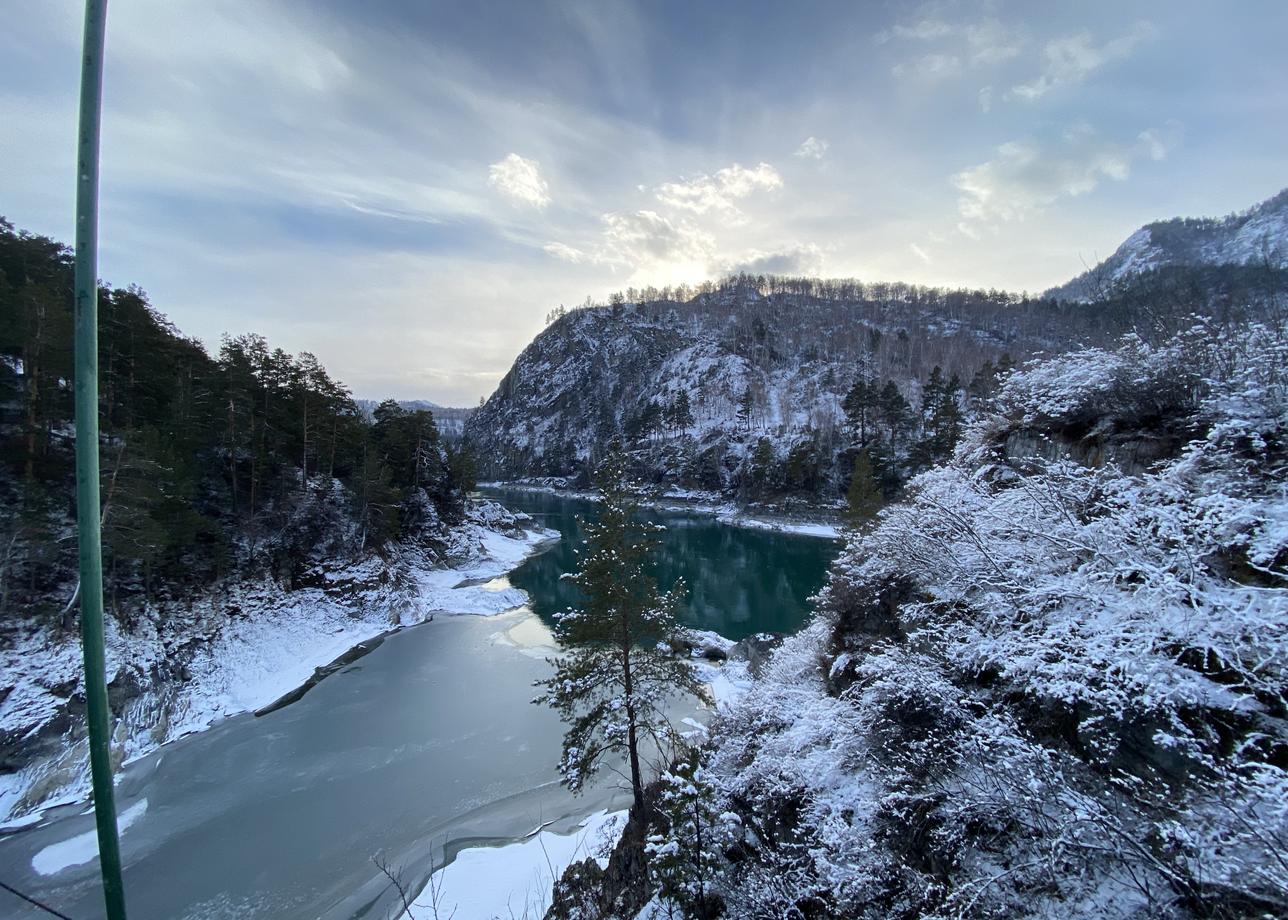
x,y
895,410
462,467
932,395
612,684
762,468
745,405
684,848
864,496
859,406
682,412
983,385
946,423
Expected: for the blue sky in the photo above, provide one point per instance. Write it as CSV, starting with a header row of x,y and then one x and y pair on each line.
x,y
407,188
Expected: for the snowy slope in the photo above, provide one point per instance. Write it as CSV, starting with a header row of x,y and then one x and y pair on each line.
x,y
1042,688
591,375
1254,237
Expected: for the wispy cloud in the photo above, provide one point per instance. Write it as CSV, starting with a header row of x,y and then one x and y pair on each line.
x,y
360,172
566,252
1073,58
959,46
929,68
652,245
1026,177
919,30
812,148
991,42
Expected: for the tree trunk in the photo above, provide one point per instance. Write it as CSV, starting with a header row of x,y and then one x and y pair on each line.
x,y
632,739
31,371
232,452
304,453
330,473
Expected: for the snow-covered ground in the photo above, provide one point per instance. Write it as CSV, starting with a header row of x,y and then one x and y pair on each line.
x,y
243,648
919,731
515,880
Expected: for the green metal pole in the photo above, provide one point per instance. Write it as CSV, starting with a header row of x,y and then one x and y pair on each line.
x,y
88,514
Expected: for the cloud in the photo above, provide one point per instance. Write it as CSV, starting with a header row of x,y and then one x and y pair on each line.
x,y
800,259
1025,178
812,148
922,30
929,68
919,253
719,192
1071,59
986,99
990,42
641,238
520,178
963,45
1155,144
566,252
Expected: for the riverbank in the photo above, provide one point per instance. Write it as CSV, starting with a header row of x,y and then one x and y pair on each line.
x,y
825,524
240,648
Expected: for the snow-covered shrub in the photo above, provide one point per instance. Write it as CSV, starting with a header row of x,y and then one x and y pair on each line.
x,y
684,843
1038,687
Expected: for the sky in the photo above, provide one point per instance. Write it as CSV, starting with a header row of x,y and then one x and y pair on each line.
x,y
407,188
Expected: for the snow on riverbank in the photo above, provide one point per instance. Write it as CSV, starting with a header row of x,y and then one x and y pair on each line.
x,y
693,501
515,880
242,648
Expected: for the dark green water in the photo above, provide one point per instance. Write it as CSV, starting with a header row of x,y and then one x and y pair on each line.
x,y
740,581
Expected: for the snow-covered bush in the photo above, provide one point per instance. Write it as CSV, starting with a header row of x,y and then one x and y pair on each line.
x,y
1042,688
689,833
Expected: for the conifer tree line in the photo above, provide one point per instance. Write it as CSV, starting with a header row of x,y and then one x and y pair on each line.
x,y
890,439
212,465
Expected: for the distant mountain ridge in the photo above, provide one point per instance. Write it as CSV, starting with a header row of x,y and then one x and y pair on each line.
x,y
1256,236
449,419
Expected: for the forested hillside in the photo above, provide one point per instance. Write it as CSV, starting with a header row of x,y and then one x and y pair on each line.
x,y
250,460
769,389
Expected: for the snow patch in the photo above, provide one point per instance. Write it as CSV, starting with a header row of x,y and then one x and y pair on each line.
x,y
82,848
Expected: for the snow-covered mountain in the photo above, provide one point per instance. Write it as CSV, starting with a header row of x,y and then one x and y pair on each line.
x,y
752,362
1257,236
